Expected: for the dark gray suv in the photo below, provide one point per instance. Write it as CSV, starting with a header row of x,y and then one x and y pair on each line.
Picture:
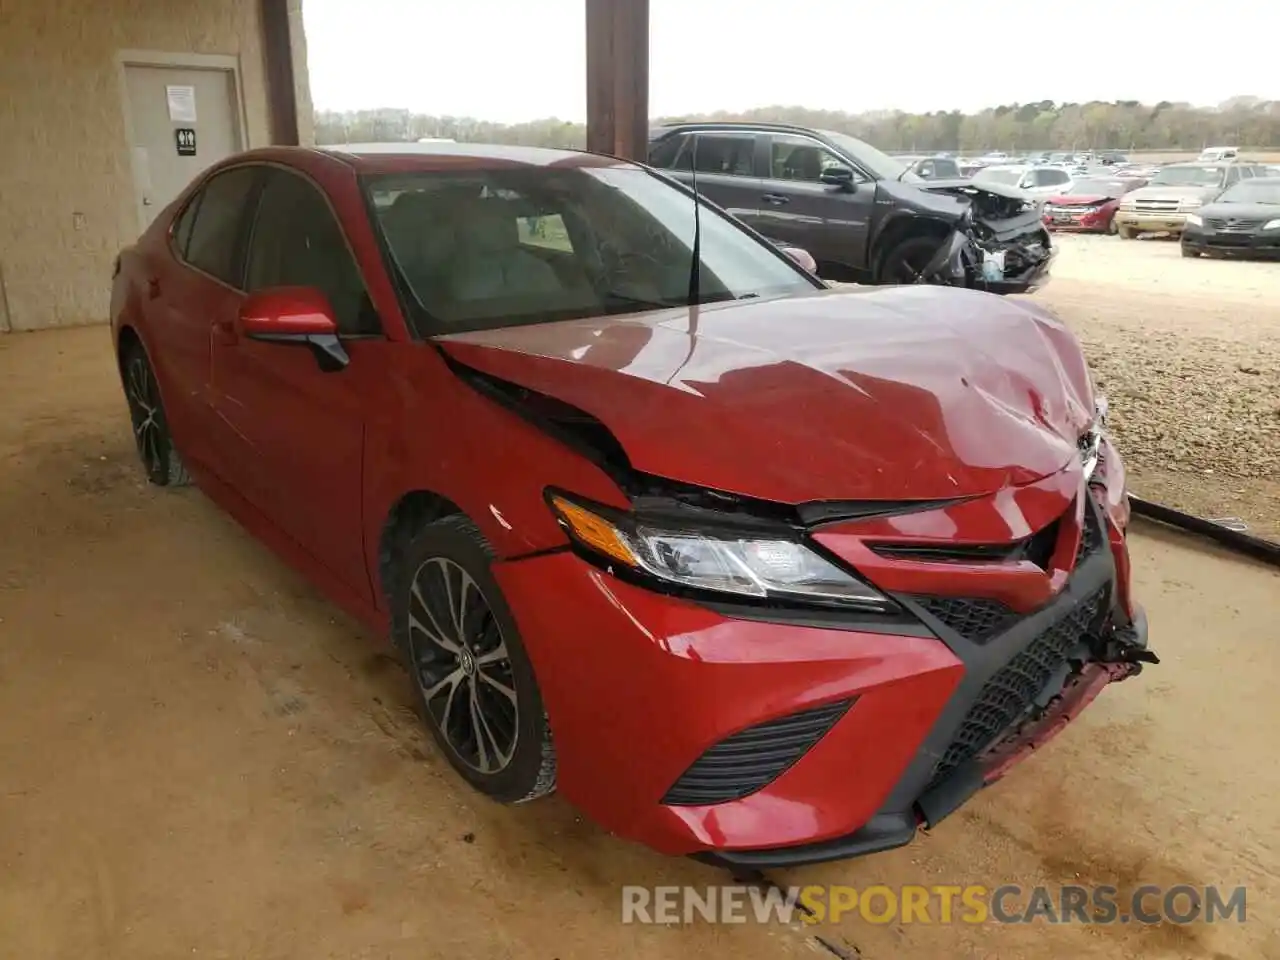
x,y
860,213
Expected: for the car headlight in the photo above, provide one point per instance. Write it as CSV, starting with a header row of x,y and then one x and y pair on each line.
x,y
1272,224
1195,219
1190,203
1091,440
738,562
1128,203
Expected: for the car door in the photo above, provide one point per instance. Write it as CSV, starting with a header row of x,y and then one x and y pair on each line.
x,y
300,429
832,222
726,170
183,303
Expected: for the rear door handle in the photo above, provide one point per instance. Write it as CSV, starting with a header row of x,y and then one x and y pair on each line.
x,y
777,199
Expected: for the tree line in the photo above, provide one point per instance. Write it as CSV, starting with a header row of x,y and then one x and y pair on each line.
x,y
1247,122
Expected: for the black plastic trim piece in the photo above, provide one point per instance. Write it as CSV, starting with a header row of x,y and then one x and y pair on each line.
x,y
882,832
746,762
1268,551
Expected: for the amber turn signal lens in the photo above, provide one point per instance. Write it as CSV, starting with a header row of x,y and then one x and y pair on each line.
x,y
594,532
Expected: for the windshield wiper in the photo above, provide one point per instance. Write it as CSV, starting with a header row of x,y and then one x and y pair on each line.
x,y
613,297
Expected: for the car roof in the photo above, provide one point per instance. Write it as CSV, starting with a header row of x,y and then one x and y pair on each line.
x,y
447,155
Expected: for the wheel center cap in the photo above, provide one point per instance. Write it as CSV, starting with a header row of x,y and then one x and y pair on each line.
x,y
466,661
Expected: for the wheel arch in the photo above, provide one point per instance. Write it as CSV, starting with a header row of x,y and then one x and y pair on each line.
x,y
408,513
127,339
904,227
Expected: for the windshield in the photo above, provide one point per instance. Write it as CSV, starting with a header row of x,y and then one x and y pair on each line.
x,y
1188,176
494,248
1259,191
881,165
991,175
1097,188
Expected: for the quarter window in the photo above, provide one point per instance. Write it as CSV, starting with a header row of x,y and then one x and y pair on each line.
x,y
214,241
297,242
186,220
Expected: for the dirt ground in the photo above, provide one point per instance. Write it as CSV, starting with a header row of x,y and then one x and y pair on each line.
x,y
201,757
1188,353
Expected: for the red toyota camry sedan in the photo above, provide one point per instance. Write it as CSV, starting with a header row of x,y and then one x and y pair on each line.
x,y
749,568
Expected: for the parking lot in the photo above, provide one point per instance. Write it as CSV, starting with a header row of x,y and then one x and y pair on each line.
x,y
201,757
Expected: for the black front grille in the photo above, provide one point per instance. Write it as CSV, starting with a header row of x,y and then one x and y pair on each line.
x,y
1018,688
751,759
973,618
1241,224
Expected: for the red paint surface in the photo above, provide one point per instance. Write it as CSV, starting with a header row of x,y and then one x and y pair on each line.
x,y
892,394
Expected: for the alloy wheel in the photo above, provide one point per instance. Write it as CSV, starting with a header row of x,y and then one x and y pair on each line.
x,y
461,665
144,411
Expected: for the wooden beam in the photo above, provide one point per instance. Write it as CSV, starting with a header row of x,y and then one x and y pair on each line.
x,y
618,77
277,51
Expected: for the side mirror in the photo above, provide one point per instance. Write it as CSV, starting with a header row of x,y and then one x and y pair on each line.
x,y
802,257
837,177
295,315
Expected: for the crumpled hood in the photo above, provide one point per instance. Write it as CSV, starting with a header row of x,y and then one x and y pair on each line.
x,y
889,393
1079,199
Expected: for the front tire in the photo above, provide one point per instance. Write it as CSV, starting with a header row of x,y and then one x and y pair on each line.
x,y
1126,233
472,679
1188,251
156,450
904,263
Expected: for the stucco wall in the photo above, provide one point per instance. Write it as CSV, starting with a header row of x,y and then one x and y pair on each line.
x,y
66,188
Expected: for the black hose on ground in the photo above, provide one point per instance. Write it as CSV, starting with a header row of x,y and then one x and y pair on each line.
x,y
1267,551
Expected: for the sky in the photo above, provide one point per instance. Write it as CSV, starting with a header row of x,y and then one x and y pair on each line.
x,y
514,60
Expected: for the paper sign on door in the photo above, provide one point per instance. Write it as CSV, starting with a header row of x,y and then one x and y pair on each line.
x,y
182,103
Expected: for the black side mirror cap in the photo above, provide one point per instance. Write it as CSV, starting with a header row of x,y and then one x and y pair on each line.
x,y
837,177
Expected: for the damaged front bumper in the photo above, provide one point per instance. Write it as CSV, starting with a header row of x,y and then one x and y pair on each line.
x,y
1003,266
1000,244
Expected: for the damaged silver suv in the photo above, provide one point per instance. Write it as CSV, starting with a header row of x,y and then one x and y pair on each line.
x,y
861,214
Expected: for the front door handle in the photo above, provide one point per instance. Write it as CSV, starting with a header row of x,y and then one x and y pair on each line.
x,y
777,199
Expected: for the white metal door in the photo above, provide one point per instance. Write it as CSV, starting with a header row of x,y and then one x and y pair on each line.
x,y
181,121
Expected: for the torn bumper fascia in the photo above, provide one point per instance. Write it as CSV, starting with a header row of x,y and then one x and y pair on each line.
x,y
959,262
1000,223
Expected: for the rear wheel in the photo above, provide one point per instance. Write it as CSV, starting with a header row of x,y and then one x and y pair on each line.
x,y
473,681
151,434
906,261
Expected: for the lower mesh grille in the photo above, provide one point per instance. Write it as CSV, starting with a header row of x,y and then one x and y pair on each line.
x,y
751,759
1010,695
973,618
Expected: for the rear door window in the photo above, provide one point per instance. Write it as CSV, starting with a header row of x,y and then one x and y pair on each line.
x,y
215,238
727,155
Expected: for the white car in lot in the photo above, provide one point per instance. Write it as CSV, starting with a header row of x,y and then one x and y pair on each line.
x,y
1036,181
